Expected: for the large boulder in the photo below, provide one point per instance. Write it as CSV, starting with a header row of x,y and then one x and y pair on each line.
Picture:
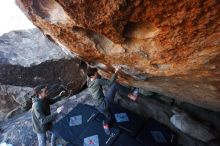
x,y
28,58
28,47
169,47
60,71
14,99
192,127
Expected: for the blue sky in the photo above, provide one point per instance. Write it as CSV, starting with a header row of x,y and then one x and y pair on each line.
x,y
12,17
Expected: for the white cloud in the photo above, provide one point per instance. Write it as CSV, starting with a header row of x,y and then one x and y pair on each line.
x,y
12,18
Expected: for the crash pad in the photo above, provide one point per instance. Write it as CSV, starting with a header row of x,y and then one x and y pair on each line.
x,y
156,134
94,135
77,120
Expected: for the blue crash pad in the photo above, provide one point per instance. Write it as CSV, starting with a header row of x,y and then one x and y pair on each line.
x,y
125,140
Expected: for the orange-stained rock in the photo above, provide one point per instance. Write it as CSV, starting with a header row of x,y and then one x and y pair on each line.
x,y
162,45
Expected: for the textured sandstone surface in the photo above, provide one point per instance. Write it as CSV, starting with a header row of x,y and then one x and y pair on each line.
x,y
163,46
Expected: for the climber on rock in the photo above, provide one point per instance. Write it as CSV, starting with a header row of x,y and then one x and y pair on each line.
x,y
41,115
95,83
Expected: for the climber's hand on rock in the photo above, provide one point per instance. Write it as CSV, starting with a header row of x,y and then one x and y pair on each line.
x,y
132,97
117,68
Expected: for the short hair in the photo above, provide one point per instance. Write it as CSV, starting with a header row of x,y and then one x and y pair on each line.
x,y
38,89
91,71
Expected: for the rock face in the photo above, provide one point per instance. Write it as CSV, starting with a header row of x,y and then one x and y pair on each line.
x,y
13,98
167,47
62,70
28,47
28,58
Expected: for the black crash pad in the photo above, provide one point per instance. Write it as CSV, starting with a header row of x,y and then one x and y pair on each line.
x,y
132,127
69,144
93,133
156,134
125,140
134,123
100,117
70,133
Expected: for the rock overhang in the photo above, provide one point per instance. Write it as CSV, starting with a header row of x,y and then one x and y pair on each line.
x,y
164,46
